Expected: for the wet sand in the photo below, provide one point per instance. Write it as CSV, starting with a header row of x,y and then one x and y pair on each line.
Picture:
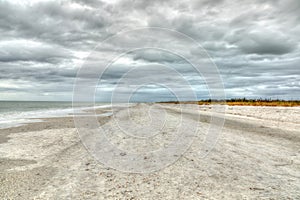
x,y
256,157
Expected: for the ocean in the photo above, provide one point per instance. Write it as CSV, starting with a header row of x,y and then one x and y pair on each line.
x,y
16,113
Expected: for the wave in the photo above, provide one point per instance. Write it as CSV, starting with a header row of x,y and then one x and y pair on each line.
x,y
18,118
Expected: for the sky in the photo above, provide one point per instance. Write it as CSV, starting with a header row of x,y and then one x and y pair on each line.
x,y
254,45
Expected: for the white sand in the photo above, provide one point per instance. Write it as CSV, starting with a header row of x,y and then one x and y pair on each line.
x,y
256,157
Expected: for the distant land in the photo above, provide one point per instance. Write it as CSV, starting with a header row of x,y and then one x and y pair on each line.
x,y
242,102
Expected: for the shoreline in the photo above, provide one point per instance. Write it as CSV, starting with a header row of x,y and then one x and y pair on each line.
x,y
46,160
21,117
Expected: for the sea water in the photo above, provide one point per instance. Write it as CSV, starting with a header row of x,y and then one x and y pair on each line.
x,y
16,113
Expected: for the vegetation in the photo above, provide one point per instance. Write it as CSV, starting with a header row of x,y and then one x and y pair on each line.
x,y
244,102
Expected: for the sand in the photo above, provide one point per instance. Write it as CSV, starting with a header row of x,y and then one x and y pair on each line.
x,y
257,156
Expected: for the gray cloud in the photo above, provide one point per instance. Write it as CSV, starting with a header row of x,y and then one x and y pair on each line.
x,y
155,55
22,51
263,42
254,43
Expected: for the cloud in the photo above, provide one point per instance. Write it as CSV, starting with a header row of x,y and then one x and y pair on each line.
x,y
264,42
20,50
155,55
56,22
255,45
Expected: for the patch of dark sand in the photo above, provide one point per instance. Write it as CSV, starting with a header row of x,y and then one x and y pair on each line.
x,y
47,123
3,137
11,163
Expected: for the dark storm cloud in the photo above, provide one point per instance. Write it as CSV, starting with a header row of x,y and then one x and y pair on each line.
x,y
255,44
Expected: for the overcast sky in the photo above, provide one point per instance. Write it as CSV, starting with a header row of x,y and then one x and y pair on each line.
x,y
254,44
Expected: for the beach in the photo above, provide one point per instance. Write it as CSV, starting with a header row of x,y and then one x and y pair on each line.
x,y
256,156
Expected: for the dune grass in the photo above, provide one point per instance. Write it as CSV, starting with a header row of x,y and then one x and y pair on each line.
x,y
244,102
